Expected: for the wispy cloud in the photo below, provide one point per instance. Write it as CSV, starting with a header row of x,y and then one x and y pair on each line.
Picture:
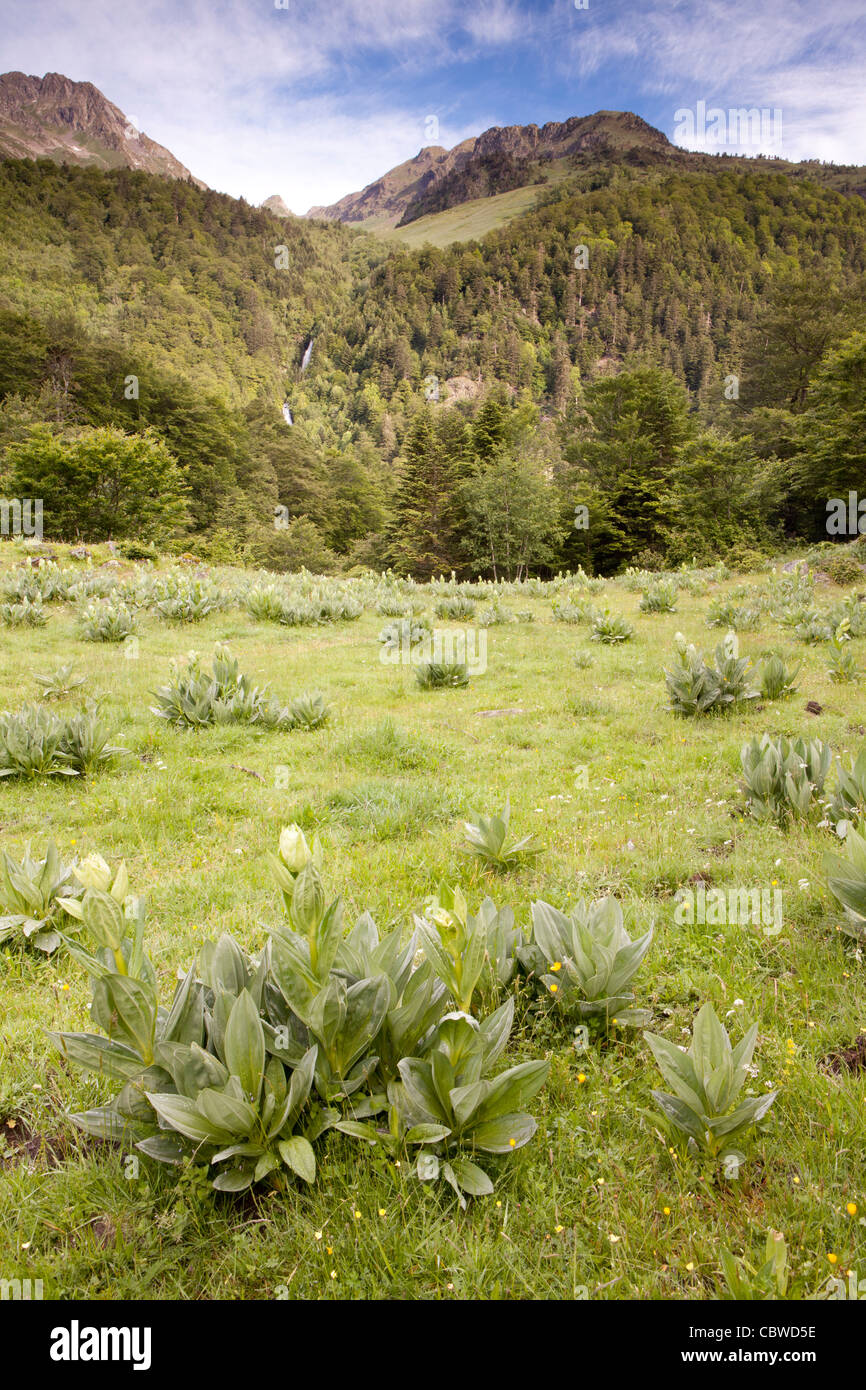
x,y
320,97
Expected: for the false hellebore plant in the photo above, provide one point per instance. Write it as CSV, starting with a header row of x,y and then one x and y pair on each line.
x,y
255,1059
706,1081
585,962
463,949
30,898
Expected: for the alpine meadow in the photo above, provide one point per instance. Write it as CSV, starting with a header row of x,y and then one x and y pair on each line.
x,y
432,654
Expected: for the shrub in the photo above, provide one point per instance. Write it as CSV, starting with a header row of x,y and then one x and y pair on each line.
x,y
487,837
195,699
584,962
747,560
441,675
777,678
610,628
30,898
784,777
253,1062
105,620
138,550
843,569
706,1081
659,598
695,687
24,614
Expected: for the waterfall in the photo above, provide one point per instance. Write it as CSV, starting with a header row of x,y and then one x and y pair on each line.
x,y
308,352
287,414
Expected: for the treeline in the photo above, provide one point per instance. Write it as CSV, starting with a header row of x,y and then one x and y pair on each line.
x,y
694,376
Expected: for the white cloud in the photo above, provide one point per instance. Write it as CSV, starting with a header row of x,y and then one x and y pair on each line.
x,y
316,100
786,54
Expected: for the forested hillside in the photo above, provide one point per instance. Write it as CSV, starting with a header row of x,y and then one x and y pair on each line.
x,y
675,350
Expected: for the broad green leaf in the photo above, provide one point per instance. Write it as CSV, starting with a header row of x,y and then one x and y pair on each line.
x,y
471,1178
238,1151
513,1088
495,1031
133,1010
464,1100
627,961
104,1123
244,1045
678,1071
103,918
427,1134
165,1148
504,1134
266,1164
227,1112
179,1113
358,1130
681,1115
185,1021
710,1042
97,1054
233,1180
749,1113
297,1153
551,929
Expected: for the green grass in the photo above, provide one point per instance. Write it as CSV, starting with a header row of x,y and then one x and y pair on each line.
x,y
583,1206
472,220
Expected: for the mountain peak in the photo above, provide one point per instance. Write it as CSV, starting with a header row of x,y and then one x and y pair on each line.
x,y
277,205
498,159
54,117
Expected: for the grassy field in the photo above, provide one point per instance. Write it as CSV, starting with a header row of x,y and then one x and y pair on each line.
x,y
624,797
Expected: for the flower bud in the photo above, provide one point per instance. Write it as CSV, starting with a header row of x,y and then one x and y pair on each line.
x,y
294,850
93,872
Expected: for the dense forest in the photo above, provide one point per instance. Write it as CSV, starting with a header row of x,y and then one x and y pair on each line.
x,y
680,353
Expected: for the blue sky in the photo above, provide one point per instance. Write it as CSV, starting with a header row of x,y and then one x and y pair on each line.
x,y
318,97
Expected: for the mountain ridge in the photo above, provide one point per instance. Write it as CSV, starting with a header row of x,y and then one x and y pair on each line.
x,y
40,118
407,187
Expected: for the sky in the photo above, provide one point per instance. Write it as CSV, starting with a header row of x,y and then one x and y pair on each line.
x,y
313,99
